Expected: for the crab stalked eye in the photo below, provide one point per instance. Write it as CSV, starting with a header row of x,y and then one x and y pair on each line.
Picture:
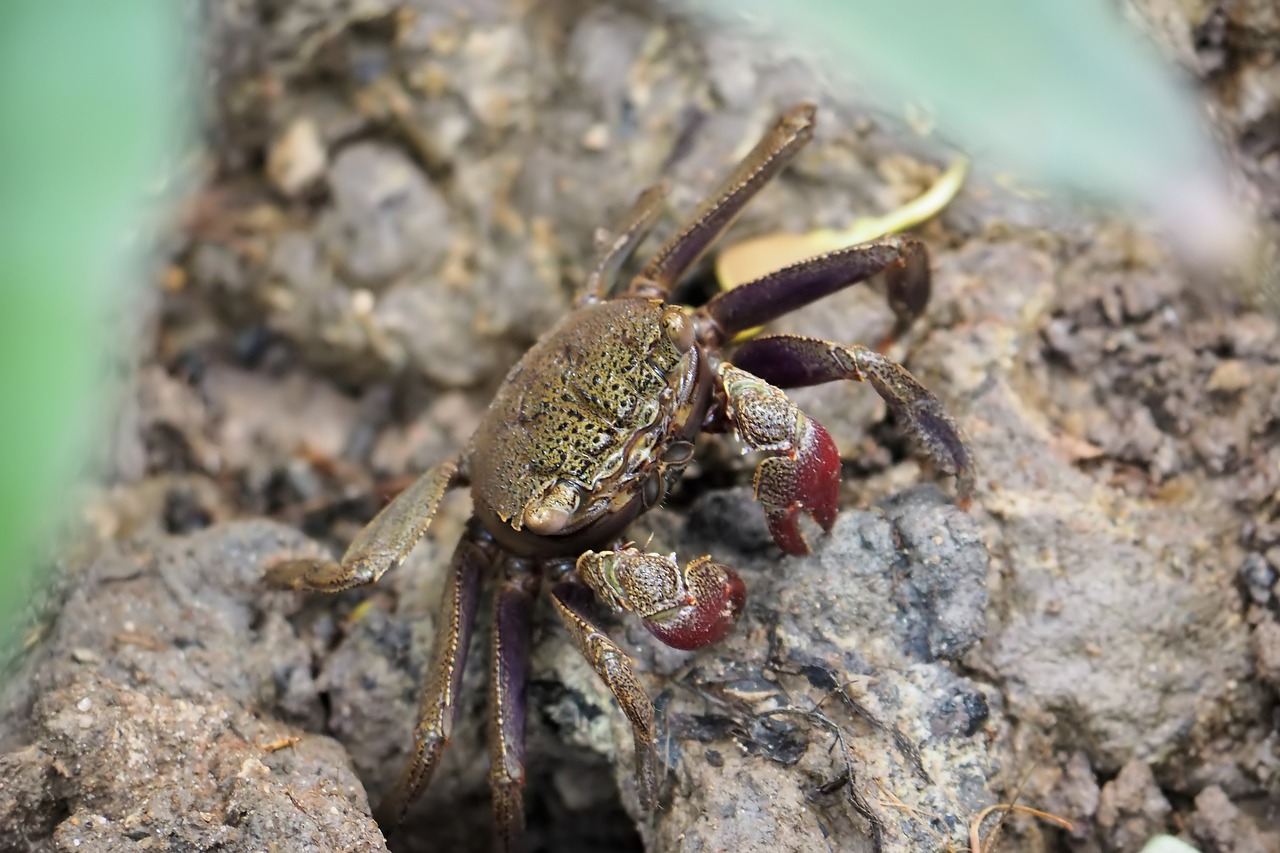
x,y
716,597
678,325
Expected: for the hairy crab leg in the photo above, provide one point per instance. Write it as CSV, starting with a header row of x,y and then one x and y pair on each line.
x,y
791,132
617,245
792,361
904,260
573,602
382,544
438,709
508,685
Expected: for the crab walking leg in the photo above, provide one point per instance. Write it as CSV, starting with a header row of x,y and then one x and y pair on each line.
x,y
617,245
803,475
508,683
791,132
572,601
792,361
904,260
381,545
438,709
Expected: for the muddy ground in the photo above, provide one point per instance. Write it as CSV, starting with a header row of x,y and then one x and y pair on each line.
x,y
396,199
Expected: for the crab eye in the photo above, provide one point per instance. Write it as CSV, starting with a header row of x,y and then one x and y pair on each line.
x,y
678,326
716,599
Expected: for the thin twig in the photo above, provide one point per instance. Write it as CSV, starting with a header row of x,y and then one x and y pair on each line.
x,y
859,803
975,825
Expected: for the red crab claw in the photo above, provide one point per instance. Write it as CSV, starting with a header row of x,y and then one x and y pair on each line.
x,y
685,608
715,596
804,479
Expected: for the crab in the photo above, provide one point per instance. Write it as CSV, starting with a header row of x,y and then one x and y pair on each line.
x,y
593,426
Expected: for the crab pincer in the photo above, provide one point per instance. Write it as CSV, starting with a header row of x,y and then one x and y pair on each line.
x,y
685,609
806,479
803,475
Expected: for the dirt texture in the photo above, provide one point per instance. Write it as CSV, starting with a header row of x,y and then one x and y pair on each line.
x,y
395,200
145,716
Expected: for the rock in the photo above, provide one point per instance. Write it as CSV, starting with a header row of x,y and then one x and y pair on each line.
x,y
147,727
1086,578
1230,377
1131,808
297,159
1218,826
879,607
1266,650
1257,576
387,218
1073,793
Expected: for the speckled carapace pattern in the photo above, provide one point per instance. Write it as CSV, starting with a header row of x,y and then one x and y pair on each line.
x,y
586,404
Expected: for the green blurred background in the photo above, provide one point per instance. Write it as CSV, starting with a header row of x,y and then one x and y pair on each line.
x,y
91,111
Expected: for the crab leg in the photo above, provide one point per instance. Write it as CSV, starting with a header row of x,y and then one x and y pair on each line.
x,y
616,246
573,601
438,709
792,361
904,260
508,682
791,132
382,544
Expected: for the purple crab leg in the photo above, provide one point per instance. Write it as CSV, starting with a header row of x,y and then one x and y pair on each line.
x,y
791,132
438,709
508,683
904,260
573,602
792,361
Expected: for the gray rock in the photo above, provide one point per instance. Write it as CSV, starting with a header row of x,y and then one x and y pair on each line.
x,y
387,219
1219,826
1086,578
1131,808
833,696
147,729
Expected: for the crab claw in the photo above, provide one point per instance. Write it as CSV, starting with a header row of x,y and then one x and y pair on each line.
x,y
686,609
715,597
805,479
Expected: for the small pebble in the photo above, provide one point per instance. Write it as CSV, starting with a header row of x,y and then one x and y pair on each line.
x,y
1257,576
297,158
1230,376
596,138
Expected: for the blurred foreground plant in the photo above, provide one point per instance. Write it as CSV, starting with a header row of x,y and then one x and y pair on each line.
x,y
90,110
1062,95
